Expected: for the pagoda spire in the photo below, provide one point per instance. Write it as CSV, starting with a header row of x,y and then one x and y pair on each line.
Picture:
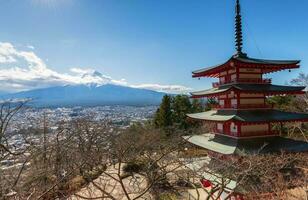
x,y
238,30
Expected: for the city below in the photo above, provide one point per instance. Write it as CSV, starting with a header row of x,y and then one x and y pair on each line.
x,y
30,119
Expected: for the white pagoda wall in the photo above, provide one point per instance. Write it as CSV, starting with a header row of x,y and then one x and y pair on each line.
x,y
220,127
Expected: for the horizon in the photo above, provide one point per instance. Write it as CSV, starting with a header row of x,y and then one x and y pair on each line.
x,y
139,44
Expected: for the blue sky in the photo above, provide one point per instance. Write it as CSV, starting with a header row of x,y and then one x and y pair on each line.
x,y
148,43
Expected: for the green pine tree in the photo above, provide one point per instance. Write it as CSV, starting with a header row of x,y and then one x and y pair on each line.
x,y
174,110
210,103
181,106
281,102
196,106
163,114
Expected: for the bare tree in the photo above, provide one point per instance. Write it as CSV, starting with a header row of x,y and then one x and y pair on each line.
x,y
9,152
252,176
85,159
302,80
138,164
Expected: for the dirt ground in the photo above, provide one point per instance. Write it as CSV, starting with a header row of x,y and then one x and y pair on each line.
x,y
107,185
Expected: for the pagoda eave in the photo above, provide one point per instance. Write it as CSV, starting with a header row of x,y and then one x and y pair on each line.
x,y
266,89
248,91
228,146
249,116
248,123
267,66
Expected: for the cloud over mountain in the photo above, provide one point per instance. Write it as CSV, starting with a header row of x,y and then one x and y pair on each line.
x,y
24,70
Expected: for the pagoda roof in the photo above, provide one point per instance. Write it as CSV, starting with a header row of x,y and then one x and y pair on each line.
x,y
250,88
249,116
226,145
267,62
267,66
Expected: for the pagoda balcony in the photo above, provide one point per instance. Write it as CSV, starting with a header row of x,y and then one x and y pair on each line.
x,y
252,80
254,106
245,106
243,80
247,134
258,134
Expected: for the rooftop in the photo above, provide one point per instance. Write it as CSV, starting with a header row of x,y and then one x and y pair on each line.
x,y
226,145
249,116
267,89
247,62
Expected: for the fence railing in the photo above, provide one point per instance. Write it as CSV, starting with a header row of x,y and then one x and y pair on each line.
x,y
246,134
243,80
245,106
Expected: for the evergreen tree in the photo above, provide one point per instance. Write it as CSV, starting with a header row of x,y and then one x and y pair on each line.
x,y
282,102
174,110
196,106
163,116
210,103
181,106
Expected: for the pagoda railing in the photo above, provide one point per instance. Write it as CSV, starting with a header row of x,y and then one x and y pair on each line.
x,y
252,80
246,134
258,133
251,106
243,80
246,106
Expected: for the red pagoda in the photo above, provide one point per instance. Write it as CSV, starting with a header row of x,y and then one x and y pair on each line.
x,y
243,121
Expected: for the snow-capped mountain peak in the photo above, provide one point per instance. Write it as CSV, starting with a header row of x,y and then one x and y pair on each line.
x,y
95,78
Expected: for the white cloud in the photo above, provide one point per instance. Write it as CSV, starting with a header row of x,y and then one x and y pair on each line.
x,y
7,59
164,88
6,52
24,70
30,47
81,70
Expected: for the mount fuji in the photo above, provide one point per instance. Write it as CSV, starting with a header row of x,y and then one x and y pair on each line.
x,y
95,90
88,95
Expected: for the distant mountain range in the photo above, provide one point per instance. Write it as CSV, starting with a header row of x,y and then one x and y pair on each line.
x,y
3,93
88,95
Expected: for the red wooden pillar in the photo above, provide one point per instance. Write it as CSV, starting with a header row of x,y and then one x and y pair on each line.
x,y
239,131
238,99
237,127
227,102
226,128
237,73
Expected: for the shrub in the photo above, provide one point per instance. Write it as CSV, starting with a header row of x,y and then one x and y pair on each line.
x,y
133,167
167,196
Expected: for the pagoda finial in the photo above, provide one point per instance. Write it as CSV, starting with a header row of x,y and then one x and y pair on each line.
x,y
238,30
